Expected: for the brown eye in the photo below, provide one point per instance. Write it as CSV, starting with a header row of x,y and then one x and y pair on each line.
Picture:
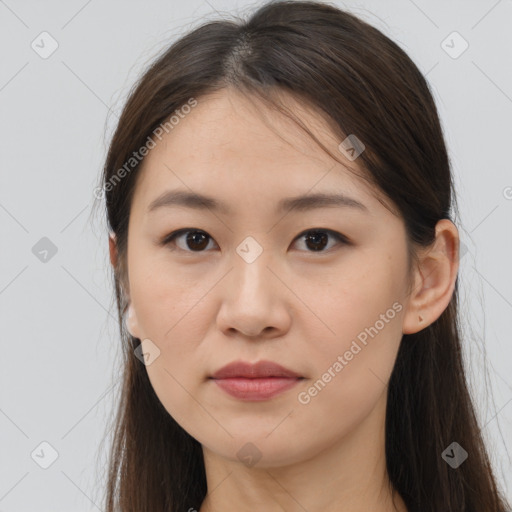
x,y
194,241
317,239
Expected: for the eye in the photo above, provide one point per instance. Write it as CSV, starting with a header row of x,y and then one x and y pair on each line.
x,y
317,239
195,241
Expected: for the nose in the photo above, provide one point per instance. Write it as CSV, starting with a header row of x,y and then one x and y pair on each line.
x,y
254,300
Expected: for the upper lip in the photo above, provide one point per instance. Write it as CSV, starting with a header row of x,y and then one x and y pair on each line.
x,y
253,370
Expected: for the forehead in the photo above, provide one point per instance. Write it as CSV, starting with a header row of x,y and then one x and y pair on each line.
x,y
236,148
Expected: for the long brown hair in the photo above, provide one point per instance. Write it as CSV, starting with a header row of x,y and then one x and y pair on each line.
x,y
363,84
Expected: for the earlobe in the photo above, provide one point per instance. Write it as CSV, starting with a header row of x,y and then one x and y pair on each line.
x,y
434,279
131,322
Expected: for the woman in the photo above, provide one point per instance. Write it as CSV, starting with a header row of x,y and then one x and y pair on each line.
x,y
280,203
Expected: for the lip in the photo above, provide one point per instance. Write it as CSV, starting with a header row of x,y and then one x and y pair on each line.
x,y
255,382
257,370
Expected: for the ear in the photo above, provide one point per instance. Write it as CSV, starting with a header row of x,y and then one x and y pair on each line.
x,y
132,323
112,246
434,279
130,316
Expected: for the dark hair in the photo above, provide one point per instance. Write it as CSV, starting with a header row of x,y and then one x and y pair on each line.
x,y
362,83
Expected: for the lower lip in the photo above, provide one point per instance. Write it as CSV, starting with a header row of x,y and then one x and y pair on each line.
x,y
256,389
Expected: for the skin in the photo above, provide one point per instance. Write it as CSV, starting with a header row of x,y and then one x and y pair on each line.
x,y
206,307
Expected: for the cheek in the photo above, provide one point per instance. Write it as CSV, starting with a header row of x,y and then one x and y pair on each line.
x,y
172,313
357,364
164,298
365,292
361,316
351,373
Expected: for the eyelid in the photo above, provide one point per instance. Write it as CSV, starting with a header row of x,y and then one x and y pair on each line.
x,y
336,234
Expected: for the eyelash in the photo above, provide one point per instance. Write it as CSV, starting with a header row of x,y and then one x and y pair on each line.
x,y
170,238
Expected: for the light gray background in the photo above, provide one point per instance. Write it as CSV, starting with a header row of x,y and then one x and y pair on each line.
x,y
58,370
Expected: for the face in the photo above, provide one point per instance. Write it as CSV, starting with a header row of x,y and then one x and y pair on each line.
x,y
317,287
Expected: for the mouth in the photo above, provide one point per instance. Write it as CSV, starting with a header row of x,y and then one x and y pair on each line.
x,y
255,382
256,389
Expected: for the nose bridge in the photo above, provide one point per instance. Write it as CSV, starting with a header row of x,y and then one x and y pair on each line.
x,y
252,276
250,300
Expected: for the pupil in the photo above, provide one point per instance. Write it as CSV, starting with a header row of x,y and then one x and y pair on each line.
x,y
317,239
192,235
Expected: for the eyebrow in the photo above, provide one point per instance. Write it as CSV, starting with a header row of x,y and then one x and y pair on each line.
x,y
172,198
